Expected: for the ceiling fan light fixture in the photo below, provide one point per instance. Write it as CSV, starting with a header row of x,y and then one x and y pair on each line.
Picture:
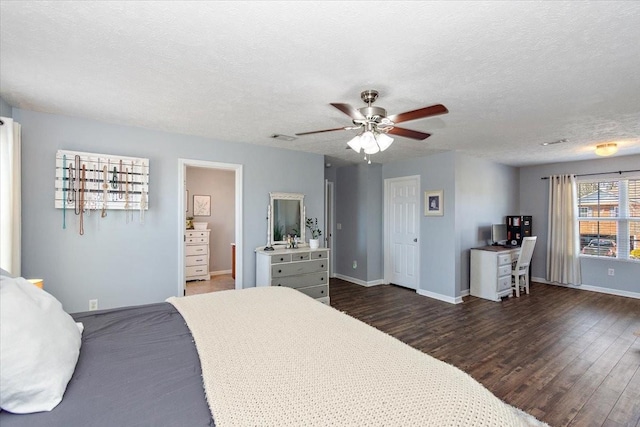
x,y
368,141
384,141
372,150
607,149
355,144
375,124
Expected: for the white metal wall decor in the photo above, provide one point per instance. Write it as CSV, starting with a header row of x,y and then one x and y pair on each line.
x,y
88,182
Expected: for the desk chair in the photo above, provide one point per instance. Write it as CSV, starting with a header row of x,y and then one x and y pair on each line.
x,y
520,269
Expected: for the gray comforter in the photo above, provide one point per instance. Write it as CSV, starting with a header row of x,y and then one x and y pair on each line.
x,y
138,366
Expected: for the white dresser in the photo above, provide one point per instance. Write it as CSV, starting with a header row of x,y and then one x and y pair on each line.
x,y
196,253
491,271
304,269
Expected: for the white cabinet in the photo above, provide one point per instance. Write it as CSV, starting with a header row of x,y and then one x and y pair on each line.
x,y
306,270
491,271
196,255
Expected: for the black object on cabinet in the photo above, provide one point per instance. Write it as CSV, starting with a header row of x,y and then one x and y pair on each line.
x,y
518,227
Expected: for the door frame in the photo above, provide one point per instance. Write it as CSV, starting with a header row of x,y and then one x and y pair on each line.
x,y
182,176
387,228
329,221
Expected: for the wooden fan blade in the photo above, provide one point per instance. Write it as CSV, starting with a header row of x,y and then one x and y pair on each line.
x,y
408,133
350,111
320,131
420,113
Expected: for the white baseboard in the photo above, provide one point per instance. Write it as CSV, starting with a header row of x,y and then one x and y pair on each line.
x,y
591,288
219,272
359,281
465,292
440,297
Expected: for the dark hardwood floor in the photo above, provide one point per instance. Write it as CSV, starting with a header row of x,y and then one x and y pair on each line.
x,y
568,357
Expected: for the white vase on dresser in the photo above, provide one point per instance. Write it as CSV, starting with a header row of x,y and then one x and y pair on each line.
x,y
197,255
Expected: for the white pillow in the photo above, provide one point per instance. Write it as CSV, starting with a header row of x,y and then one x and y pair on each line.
x,y
39,347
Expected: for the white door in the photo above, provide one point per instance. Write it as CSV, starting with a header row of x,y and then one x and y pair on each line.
x,y
402,253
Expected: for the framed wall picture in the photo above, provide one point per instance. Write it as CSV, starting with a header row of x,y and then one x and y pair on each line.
x,y
433,203
201,205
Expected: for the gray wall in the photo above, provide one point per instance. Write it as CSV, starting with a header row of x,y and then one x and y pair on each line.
x,y
534,200
330,173
126,264
358,191
374,227
5,109
220,185
486,192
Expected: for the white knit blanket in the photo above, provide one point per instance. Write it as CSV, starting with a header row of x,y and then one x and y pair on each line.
x,y
272,356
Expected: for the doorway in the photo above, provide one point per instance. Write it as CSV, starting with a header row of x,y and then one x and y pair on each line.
x,y
402,231
184,204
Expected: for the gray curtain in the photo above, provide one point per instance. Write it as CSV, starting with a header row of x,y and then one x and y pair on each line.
x,y
563,239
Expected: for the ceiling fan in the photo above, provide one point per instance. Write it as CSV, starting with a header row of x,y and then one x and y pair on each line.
x,y
375,120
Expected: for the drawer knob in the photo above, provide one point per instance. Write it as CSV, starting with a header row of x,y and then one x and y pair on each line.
x,y
301,256
279,271
322,292
278,284
322,279
321,265
281,259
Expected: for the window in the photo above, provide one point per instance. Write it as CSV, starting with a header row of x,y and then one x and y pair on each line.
x,y
609,218
584,211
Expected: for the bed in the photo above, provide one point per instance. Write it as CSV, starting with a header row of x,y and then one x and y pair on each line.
x,y
260,356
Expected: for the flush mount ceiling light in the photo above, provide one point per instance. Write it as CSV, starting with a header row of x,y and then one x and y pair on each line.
x,y
607,149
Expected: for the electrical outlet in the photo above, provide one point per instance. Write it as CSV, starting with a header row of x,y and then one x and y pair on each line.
x,y
612,272
355,264
93,304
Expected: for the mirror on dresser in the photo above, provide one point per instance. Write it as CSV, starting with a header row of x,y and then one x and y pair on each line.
x,y
285,217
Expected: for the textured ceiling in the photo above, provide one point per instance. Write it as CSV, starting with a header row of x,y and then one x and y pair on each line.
x,y
512,74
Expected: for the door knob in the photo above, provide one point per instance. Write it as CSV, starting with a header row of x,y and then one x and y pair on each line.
x,y
415,240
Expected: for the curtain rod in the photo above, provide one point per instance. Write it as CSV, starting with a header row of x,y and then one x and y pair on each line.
x,y
601,173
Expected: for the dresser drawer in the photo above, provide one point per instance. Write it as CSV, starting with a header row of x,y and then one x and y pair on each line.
x,y
303,267
504,270
504,283
196,250
197,240
304,281
196,270
197,233
276,259
318,254
504,259
316,291
300,256
196,260
324,300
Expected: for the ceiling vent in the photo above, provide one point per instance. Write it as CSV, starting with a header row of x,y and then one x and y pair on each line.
x,y
560,141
